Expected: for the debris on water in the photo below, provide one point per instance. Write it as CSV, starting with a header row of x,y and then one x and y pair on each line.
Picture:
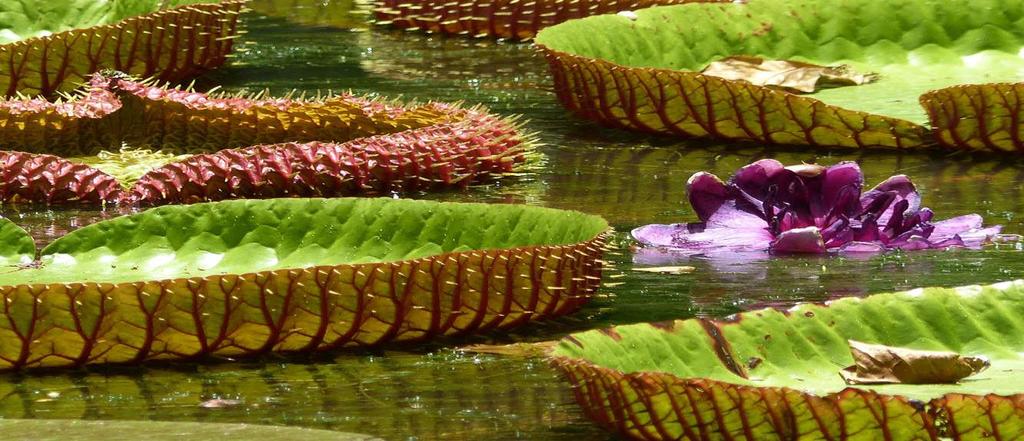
x,y
628,14
218,403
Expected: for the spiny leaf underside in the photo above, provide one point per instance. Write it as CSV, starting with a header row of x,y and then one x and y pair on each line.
x,y
170,45
511,19
444,155
389,148
53,180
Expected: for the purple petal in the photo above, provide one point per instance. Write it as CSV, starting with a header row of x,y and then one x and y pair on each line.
x,y
948,228
837,234
955,242
895,224
800,240
840,187
923,231
754,179
707,193
913,244
728,216
839,177
845,205
862,247
901,187
977,238
808,209
724,239
658,235
867,231
729,229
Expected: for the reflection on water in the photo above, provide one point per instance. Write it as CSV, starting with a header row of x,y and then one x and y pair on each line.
x,y
629,179
395,396
342,14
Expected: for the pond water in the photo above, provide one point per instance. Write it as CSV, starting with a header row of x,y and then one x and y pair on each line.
x,y
436,393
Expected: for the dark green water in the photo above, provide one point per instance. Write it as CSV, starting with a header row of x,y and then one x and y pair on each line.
x,y
630,179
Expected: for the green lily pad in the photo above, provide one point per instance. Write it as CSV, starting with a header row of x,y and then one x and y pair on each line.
x,y
659,381
55,45
82,430
247,277
643,69
16,247
28,19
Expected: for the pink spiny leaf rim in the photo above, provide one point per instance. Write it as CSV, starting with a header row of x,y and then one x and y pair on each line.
x,y
393,148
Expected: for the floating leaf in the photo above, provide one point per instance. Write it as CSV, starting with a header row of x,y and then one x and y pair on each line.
x,y
642,73
879,364
48,46
16,247
704,379
244,278
794,76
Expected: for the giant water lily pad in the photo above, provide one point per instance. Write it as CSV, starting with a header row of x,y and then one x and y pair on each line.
x,y
773,374
242,278
512,19
16,247
276,147
59,430
47,46
642,72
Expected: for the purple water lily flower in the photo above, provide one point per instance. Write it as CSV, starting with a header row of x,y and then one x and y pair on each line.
x,y
810,209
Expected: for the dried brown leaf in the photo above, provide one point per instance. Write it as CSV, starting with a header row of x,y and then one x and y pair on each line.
x,y
878,364
793,76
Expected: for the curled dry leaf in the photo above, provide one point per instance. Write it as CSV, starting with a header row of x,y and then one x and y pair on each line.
x,y
878,364
792,76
